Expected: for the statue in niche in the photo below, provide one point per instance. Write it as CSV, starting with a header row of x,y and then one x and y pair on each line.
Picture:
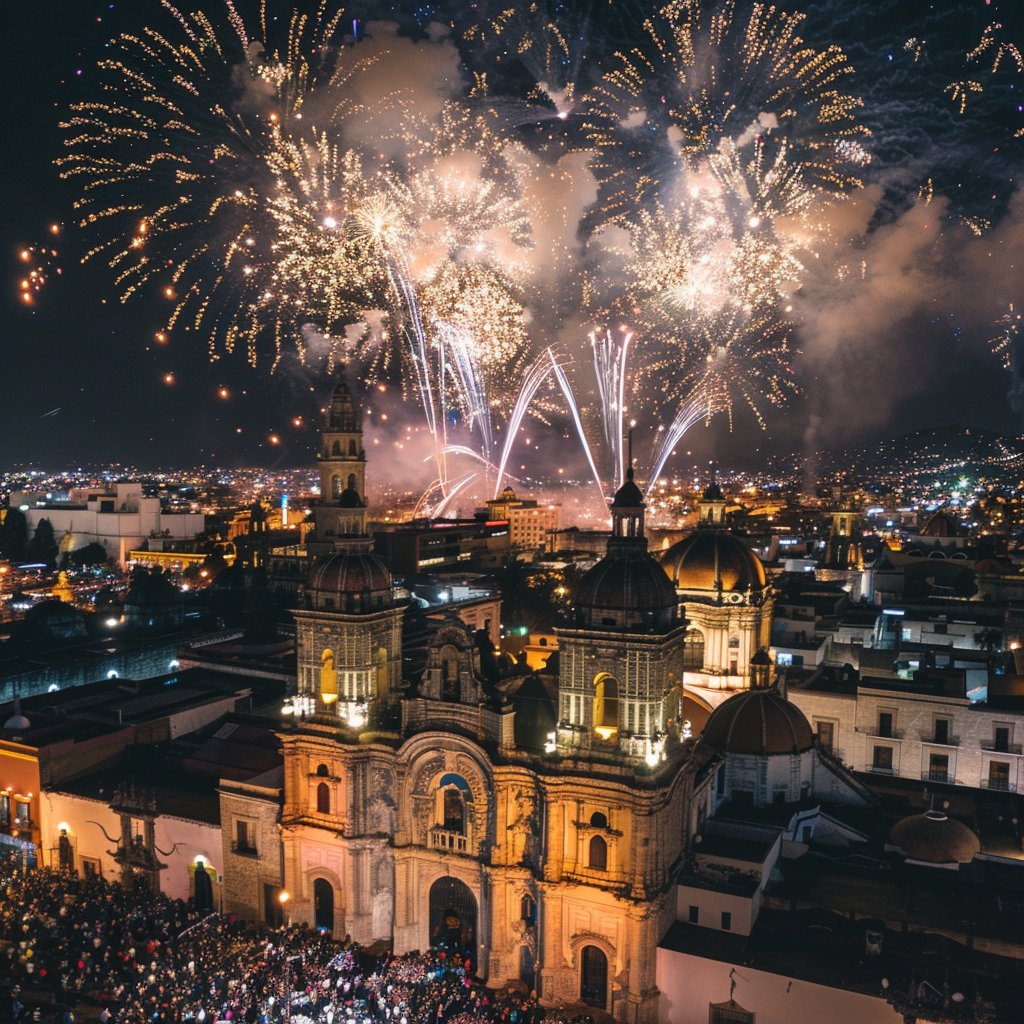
x,y
525,828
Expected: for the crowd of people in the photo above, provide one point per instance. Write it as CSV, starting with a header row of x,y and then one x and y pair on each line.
x,y
88,947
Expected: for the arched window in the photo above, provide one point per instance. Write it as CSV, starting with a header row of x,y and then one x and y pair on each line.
x,y
328,677
594,977
599,820
693,649
336,449
453,800
322,771
351,481
352,446
323,798
606,706
598,854
528,909
449,673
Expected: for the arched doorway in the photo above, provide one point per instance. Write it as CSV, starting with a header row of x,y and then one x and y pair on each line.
x,y
594,977
203,888
323,905
452,916
527,968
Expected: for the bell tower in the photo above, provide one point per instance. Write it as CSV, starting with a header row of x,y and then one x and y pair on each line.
x,y
622,657
843,548
340,515
711,508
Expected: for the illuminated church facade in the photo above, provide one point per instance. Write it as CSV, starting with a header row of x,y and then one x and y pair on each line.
x,y
540,830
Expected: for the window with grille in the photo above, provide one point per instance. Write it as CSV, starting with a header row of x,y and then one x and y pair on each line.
x,y
244,837
999,775
826,734
729,1013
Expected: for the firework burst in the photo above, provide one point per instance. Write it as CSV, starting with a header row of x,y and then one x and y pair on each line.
x,y
176,169
736,94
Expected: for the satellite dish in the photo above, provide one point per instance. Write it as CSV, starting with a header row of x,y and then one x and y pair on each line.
x,y
957,997
885,984
945,805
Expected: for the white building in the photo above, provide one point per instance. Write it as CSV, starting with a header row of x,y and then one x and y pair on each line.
x,y
926,728
120,519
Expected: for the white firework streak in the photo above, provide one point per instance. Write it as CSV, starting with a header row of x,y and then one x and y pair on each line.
x,y
536,374
570,398
687,415
610,357
470,385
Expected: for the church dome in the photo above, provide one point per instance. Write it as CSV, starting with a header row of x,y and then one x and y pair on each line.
x,y
349,581
942,525
696,561
758,722
935,838
56,620
17,722
626,588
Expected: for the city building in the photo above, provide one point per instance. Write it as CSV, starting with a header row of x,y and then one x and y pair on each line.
x,y
529,522
439,545
119,518
925,728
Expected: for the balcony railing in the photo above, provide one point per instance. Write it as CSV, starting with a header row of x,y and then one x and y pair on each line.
x,y
835,753
13,826
949,741
881,769
443,839
881,734
1004,748
1000,785
937,776
244,849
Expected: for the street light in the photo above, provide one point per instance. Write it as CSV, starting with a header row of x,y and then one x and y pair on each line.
x,y
283,897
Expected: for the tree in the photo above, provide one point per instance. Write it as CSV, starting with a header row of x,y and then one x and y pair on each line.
x,y
14,535
91,554
989,639
43,546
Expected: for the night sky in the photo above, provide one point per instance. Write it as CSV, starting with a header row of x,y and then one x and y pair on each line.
x,y
83,380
